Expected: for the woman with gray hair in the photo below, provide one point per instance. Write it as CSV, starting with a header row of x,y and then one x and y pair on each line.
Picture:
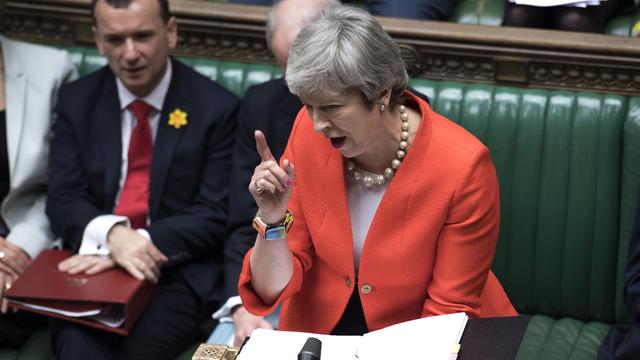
x,y
393,214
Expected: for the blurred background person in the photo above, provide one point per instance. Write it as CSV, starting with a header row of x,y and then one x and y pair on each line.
x,y
272,108
623,341
590,18
28,91
393,211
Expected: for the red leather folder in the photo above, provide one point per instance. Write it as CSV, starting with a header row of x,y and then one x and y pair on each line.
x,y
42,284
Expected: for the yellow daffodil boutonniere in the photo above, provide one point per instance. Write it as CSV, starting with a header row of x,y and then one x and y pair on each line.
x,y
178,118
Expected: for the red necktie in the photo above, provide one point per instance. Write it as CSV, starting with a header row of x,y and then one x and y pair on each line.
x,y
134,198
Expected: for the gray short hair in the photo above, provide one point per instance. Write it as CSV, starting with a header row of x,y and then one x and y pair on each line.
x,y
305,15
346,49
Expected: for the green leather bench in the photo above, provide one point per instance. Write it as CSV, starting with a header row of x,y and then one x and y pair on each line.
x,y
569,175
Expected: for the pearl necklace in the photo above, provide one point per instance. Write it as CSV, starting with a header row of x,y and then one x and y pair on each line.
x,y
370,179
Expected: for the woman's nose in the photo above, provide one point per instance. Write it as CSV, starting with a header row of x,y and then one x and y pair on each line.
x,y
321,124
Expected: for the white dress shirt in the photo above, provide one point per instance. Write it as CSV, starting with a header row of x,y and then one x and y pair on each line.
x,y
363,204
94,237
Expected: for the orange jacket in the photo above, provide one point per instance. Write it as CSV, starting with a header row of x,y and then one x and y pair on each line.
x,y
429,247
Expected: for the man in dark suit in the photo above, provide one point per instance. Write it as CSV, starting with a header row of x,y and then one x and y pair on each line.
x,y
271,108
623,341
139,179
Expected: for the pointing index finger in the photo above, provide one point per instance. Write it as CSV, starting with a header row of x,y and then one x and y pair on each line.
x,y
263,148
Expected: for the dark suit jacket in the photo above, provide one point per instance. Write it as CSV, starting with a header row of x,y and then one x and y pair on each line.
x,y
623,341
271,108
632,273
189,171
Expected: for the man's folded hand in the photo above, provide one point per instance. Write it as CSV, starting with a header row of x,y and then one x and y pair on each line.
x,y
13,259
89,264
135,253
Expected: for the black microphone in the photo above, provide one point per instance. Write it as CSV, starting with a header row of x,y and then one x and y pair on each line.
x,y
310,350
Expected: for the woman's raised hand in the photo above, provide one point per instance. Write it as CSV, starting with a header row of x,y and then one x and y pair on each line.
x,y
270,184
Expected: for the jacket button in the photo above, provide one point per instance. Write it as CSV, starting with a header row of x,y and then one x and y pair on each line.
x,y
365,289
348,282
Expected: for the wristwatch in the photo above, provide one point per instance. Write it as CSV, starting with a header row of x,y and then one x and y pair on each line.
x,y
275,231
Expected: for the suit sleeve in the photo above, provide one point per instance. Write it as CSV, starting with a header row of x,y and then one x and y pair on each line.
x,y
240,235
467,241
299,241
197,230
632,272
69,203
32,232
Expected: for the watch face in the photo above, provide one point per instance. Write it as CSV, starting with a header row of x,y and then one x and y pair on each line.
x,y
275,233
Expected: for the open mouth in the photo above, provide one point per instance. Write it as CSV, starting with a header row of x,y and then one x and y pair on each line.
x,y
337,142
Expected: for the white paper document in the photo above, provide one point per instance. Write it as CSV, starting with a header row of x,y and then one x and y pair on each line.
x,y
273,344
84,313
427,338
112,316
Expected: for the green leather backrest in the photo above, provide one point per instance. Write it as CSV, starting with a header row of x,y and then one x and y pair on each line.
x,y
566,205
569,175
479,12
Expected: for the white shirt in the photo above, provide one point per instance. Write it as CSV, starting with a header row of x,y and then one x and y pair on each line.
x,y
363,204
94,237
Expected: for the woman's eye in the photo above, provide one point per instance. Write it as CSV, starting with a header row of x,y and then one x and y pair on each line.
x,y
329,108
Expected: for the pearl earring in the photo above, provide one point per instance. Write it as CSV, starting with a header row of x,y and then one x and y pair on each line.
x,y
382,107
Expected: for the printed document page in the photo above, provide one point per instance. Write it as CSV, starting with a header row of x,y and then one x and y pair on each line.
x,y
427,338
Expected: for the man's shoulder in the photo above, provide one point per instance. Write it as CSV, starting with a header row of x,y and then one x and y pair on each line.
x,y
86,89
30,59
272,89
200,86
29,51
90,80
268,96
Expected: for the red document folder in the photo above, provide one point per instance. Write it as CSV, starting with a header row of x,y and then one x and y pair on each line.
x,y
43,285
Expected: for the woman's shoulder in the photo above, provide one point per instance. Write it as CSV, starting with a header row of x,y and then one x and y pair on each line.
x,y
444,134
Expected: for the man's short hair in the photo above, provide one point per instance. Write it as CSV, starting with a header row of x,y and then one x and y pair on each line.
x,y
123,4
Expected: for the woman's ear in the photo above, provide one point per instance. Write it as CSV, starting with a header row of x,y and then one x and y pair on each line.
x,y
385,97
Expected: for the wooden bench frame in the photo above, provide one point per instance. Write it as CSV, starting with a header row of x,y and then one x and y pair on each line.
x,y
432,50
